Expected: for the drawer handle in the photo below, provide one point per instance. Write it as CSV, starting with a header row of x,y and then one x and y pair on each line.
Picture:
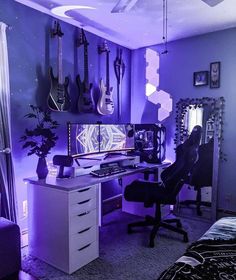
x,y
84,247
82,202
82,214
84,190
84,230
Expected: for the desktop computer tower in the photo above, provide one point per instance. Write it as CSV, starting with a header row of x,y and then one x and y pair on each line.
x,y
150,142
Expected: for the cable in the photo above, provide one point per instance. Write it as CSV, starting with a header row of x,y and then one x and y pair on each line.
x,y
164,26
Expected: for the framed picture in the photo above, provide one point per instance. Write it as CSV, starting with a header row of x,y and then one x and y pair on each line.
x,y
215,74
200,78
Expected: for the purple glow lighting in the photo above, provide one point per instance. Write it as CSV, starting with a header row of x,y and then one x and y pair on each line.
x,y
153,93
150,89
153,97
152,76
162,114
152,57
163,98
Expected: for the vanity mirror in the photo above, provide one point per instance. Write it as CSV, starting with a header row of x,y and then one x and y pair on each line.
x,y
200,192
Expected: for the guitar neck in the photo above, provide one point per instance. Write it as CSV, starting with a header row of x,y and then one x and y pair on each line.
x,y
59,61
86,72
107,72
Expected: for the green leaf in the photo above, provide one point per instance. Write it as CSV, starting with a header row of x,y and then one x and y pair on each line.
x,y
29,144
30,115
23,138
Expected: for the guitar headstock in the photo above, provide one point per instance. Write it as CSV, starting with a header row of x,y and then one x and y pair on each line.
x,y
56,31
103,48
82,39
119,53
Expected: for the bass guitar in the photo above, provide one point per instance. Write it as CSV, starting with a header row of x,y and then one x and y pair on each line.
x,y
58,99
105,105
85,103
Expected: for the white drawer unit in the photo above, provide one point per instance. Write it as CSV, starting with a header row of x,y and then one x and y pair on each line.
x,y
82,195
83,256
63,221
83,206
83,221
82,238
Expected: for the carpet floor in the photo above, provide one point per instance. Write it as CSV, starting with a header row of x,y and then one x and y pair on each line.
x,y
124,256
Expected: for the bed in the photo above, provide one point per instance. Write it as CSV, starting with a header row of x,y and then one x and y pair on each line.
x,y
213,256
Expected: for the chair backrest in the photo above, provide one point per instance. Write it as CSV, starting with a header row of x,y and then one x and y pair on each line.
x,y
201,174
175,175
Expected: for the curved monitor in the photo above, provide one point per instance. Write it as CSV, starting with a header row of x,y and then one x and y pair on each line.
x,y
83,139
116,137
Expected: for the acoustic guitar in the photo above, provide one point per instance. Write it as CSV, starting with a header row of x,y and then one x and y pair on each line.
x,y
58,99
105,105
85,103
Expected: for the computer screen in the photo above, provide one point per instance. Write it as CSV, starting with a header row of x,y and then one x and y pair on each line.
x,y
83,139
116,137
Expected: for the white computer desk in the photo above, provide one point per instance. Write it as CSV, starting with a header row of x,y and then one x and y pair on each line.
x,y
64,217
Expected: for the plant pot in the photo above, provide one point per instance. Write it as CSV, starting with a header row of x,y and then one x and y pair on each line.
x,y
42,169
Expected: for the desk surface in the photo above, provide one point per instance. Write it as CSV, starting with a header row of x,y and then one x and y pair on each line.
x,y
70,184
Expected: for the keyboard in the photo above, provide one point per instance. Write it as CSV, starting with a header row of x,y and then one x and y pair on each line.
x,y
107,171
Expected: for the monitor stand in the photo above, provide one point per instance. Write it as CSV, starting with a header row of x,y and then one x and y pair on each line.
x,y
113,154
89,158
93,156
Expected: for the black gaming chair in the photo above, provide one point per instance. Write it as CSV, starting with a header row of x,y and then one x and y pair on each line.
x,y
165,192
201,175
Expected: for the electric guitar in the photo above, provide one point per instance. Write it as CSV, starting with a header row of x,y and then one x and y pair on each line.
x,y
58,99
85,103
105,105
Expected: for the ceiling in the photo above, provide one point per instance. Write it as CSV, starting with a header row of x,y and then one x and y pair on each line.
x,y
142,25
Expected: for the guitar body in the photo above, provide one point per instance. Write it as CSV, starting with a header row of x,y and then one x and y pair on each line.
x,y
86,102
59,98
105,105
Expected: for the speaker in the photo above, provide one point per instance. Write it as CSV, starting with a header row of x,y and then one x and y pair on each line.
x,y
62,161
150,142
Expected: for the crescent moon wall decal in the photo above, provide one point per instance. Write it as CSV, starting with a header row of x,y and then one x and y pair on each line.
x,y
61,10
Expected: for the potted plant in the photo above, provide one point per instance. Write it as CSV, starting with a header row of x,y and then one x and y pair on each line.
x,y
41,138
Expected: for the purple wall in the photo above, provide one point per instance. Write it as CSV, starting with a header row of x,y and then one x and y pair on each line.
x,y
31,52
176,77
